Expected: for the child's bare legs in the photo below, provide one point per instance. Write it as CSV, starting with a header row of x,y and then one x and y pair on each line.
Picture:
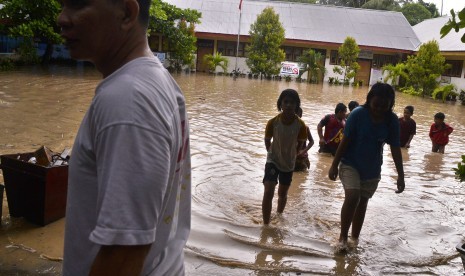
x,y
349,208
359,217
267,202
438,148
282,200
441,148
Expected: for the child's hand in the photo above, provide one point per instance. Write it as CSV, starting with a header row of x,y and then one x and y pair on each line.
x,y
400,185
333,172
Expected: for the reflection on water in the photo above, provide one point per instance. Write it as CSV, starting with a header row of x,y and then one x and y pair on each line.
x,y
410,233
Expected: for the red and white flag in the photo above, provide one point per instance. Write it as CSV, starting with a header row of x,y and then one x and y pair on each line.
x,y
240,4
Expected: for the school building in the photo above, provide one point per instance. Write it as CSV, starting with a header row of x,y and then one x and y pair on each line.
x,y
451,47
383,36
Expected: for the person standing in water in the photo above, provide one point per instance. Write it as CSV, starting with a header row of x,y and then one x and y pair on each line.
x,y
334,125
129,189
284,136
359,157
408,127
439,133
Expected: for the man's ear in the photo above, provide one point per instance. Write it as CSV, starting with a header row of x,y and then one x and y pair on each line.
x,y
131,13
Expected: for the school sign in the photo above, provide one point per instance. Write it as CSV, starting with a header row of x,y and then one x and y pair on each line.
x,y
289,69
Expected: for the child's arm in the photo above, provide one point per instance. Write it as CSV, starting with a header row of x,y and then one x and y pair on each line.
x,y
320,134
310,142
450,129
407,145
397,157
319,128
341,149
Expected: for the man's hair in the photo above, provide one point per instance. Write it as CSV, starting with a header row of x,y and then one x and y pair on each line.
x,y
144,15
439,116
291,93
352,105
340,107
382,90
144,7
409,108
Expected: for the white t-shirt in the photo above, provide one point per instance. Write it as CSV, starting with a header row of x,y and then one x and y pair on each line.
x,y
129,174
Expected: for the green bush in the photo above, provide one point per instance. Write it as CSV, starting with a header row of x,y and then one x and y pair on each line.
x,y
444,92
411,91
6,64
460,170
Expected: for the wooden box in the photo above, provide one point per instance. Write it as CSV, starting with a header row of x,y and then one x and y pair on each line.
x,y
34,192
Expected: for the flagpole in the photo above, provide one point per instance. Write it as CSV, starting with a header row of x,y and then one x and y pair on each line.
x,y
238,38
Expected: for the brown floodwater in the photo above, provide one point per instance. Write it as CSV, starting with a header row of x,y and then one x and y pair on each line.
x,y
410,233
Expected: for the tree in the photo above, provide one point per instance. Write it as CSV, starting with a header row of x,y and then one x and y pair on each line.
x,y
388,5
32,20
216,60
348,54
415,13
455,24
177,26
431,7
313,63
425,68
394,72
266,37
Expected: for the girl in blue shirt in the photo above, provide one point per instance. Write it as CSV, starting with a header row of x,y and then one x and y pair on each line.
x,y
360,156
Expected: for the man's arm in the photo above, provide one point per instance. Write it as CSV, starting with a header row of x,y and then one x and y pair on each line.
x,y
267,144
118,260
397,157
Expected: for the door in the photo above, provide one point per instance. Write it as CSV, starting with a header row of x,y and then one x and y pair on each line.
x,y
364,72
204,47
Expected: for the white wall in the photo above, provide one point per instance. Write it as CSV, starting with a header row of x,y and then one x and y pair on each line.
x,y
459,83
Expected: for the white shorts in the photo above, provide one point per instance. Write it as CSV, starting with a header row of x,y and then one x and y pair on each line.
x,y
350,179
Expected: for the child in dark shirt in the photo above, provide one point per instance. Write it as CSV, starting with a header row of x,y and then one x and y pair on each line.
x,y
408,127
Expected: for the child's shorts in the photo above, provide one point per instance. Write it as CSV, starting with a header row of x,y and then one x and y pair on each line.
x,y
351,181
272,173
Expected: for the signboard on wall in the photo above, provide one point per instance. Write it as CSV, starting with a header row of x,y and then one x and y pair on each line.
x,y
289,69
365,54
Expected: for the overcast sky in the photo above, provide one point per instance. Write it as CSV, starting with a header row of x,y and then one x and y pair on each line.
x,y
457,5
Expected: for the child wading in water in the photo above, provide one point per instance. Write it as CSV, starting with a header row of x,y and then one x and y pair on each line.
x,y
302,163
361,155
439,133
284,135
408,127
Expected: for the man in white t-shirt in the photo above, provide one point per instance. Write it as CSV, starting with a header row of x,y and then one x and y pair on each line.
x,y
129,189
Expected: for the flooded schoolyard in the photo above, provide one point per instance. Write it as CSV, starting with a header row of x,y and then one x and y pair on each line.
x,y
410,233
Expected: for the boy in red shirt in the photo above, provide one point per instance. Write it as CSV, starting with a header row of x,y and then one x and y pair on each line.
x,y
439,133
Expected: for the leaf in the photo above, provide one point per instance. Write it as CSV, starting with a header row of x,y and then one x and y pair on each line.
x,y
446,29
